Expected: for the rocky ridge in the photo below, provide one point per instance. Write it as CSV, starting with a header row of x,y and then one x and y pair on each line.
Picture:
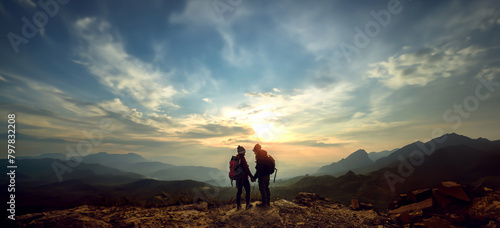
x,y
419,208
306,210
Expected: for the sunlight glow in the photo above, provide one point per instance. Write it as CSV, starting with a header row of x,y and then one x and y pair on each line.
x,y
263,123
265,131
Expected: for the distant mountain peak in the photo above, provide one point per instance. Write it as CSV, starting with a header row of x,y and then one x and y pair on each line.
x,y
360,151
454,135
483,139
355,160
452,138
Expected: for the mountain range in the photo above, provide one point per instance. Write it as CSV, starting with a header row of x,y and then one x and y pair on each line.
x,y
126,179
475,168
40,171
361,163
135,163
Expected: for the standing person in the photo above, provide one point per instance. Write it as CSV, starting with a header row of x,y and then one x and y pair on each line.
x,y
262,173
242,173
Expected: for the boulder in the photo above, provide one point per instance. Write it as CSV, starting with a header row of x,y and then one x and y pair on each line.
x,y
423,205
355,204
441,199
420,195
453,189
366,206
403,200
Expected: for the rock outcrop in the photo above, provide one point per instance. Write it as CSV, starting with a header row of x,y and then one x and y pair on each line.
x,y
447,205
419,208
306,210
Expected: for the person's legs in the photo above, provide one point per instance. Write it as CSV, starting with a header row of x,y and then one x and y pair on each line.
x,y
262,190
238,193
246,184
267,190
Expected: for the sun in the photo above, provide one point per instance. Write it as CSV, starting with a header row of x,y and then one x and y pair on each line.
x,y
263,124
264,131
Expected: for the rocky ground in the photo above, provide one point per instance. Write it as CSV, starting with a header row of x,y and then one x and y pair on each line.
x,y
306,210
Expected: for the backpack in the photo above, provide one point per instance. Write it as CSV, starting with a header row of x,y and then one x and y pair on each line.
x,y
235,170
270,165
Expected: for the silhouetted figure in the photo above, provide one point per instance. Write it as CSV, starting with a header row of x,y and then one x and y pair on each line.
x,y
241,177
262,173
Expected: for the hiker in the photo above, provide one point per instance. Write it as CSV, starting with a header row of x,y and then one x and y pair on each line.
x,y
241,174
262,173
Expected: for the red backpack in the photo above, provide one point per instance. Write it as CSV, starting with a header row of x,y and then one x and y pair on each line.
x,y
235,170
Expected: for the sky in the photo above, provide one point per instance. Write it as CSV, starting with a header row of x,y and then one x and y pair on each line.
x,y
186,82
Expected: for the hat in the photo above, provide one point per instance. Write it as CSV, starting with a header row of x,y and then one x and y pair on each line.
x,y
241,150
257,147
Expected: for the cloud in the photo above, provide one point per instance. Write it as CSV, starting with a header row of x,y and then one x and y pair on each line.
x,y
196,12
105,57
358,115
489,73
324,78
199,80
287,116
373,127
48,112
314,143
208,100
318,36
217,130
422,66
68,116
202,13
44,123
117,106
3,79
256,94
233,53
41,95
462,18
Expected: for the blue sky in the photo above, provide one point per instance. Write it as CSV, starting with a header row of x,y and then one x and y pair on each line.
x,y
186,82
